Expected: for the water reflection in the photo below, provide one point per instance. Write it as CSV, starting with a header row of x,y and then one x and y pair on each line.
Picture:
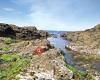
x,y
60,43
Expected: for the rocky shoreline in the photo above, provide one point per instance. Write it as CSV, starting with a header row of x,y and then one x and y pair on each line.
x,y
85,47
84,42
23,41
19,60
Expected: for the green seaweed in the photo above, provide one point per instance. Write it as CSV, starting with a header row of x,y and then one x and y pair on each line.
x,y
76,71
7,73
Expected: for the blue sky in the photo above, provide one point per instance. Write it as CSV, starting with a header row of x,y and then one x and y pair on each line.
x,y
69,15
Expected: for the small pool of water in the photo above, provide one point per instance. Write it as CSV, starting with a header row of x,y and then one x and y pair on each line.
x,y
60,43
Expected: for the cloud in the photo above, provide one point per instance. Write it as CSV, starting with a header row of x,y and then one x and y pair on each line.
x,y
45,14
22,2
2,19
60,14
8,9
46,21
49,14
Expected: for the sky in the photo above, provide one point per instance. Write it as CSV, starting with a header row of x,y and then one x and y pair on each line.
x,y
64,15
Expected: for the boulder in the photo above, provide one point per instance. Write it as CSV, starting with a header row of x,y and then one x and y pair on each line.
x,y
43,33
44,43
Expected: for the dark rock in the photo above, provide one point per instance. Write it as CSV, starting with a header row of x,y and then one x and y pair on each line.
x,y
32,73
43,33
2,61
26,33
14,59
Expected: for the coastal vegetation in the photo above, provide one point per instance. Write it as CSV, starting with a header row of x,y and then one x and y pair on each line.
x,y
12,65
78,73
8,40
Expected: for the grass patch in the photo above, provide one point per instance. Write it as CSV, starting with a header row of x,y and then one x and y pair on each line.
x,y
8,40
7,73
9,57
76,71
5,49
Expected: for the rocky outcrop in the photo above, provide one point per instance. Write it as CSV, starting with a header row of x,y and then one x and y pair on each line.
x,y
43,33
25,47
49,66
85,41
26,33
